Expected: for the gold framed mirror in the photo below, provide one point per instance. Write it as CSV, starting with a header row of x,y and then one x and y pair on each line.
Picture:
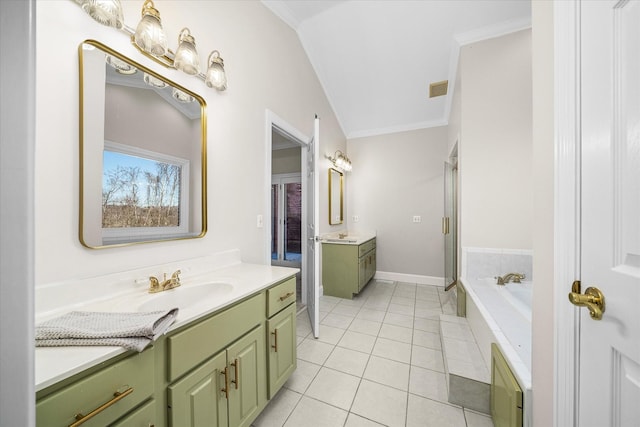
x,y
143,171
336,196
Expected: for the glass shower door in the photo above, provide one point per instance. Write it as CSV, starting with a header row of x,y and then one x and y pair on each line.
x,y
449,228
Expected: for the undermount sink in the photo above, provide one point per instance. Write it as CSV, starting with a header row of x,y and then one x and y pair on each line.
x,y
185,296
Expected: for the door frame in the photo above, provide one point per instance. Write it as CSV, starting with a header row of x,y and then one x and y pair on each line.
x,y
567,192
273,121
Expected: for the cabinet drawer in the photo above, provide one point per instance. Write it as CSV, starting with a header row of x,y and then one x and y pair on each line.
x,y
281,296
189,348
366,247
144,416
84,396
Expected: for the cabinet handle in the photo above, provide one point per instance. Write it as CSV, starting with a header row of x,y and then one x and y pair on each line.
x,y
117,396
226,383
285,296
275,340
235,368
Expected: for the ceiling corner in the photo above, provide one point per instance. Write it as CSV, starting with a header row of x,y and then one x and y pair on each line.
x,y
282,11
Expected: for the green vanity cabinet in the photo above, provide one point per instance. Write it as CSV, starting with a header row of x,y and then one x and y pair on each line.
x,y
104,396
214,371
281,337
144,416
227,390
347,268
282,348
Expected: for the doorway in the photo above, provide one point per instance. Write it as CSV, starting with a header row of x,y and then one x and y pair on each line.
x,y
286,206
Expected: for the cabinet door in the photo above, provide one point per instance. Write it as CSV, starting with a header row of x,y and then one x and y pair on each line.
x,y
198,399
362,272
247,378
281,348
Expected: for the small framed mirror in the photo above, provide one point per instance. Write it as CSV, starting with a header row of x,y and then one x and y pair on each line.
x,y
335,196
142,153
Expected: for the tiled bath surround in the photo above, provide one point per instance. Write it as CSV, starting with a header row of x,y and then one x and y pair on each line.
x,y
480,263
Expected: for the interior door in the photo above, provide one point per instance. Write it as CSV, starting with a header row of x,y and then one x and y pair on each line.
x,y
449,225
313,214
609,379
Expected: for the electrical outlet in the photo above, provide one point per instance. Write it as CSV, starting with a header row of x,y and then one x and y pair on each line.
x,y
417,218
355,218
260,221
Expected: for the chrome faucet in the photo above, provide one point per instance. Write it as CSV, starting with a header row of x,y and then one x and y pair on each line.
x,y
157,286
516,277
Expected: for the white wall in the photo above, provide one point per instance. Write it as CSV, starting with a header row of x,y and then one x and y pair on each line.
x,y
395,177
496,205
267,69
543,354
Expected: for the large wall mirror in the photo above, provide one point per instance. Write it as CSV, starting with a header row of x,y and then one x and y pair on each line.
x,y
142,153
335,196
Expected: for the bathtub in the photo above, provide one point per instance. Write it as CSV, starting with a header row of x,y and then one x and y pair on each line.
x,y
502,314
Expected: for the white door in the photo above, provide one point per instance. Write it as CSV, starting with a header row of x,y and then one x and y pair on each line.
x,y
609,380
312,209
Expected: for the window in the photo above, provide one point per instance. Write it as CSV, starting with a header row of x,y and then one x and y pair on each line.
x,y
144,194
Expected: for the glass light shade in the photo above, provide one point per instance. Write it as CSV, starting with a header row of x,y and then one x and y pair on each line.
x,y
150,36
152,81
216,77
106,12
120,66
186,58
181,96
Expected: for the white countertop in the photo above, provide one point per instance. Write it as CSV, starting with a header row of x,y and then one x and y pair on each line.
x,y
53,364
352,238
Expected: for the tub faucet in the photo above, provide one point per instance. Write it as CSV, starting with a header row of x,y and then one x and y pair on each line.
x,y
516,277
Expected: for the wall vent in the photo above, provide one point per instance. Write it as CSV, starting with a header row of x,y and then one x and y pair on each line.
x,y
438,88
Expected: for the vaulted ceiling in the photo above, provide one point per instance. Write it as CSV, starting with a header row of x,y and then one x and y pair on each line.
x,y
375,59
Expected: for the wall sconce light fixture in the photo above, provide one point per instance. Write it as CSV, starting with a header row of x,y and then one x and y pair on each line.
x,y
149,37
341,161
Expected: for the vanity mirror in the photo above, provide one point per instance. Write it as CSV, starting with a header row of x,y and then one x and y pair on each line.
x,y
142,153
335,196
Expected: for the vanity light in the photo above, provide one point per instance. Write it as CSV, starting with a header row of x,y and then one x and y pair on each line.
x,y
152,81
181,96
151,39
216,77
186,58
341,161
150,36
106,12
120,66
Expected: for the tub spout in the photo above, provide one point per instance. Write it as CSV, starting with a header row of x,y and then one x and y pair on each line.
x,y
503,280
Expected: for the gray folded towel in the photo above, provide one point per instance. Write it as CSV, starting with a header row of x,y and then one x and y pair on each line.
x,y
133,331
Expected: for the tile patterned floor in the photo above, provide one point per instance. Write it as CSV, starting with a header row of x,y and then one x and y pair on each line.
x,y
378,362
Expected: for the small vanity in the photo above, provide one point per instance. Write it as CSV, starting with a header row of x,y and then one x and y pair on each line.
x,y
348,263
226,355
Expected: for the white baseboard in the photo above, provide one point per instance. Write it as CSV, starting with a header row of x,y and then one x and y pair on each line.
x,y
410,278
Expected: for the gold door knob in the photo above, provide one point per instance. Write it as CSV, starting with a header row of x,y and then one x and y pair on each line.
x,y
592,298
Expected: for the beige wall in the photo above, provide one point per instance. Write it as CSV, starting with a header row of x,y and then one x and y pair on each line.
x,y
543,209
496,205
287,160
395,177
267,69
